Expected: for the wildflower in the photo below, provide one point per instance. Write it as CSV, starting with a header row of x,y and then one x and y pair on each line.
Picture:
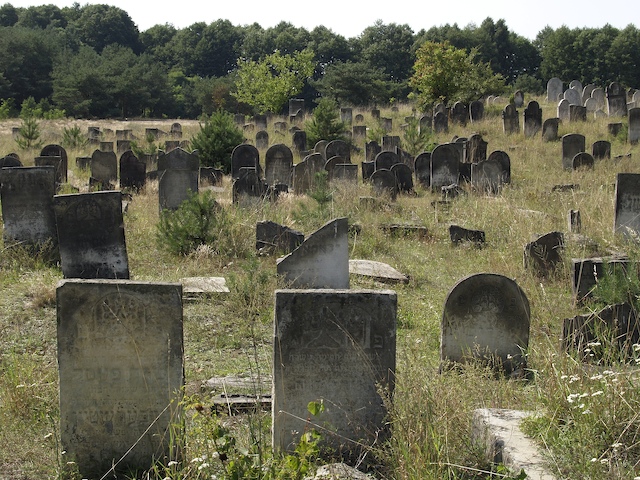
x,y
572,397
594,460
172,463
203,466
586,412
215,455
594,344
616,445
596,377
608,372
604,461
197,459
573,378
599,392
564,377
48,435
636,347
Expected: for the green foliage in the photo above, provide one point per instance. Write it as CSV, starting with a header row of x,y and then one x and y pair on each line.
x,y
446,74
325,123
216,140
267,84
198,221
321,191
147,147
529,84
6,108
619,284
29,134
416,141
72,137
43,109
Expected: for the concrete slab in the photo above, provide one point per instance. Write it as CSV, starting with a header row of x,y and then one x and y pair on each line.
x,y
379,271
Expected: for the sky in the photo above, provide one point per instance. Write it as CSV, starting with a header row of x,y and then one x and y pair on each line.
x,y
349,17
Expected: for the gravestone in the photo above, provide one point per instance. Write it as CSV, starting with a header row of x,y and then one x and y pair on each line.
x,y
458,235
372,149
120,361
26,197
338,148
390,143
476,111
91,235
57,151
634,125
278,162
486,317
380,272
238,119
532,119
320,147
338,347
321,261
550,129
346,173
367,170
577,113
385,160
627,205
576,85
331,163
573,96
384,183
273,237
586,92
93,135
280,127
591,105
260,121
459,113
386,124
104,167
601,150
359,132
425,123
543,254
475,149
404,177
582,160
445,166
359,118
422,168
295,105
209,176
572,144
106,146
510,120
346,115
554,89
564,110
440,123
133,171
124,145
518,99
244,155
152,133
616,100
614,128
262,140
489,176
440,108
56,163
375,114
176,130
299,140
574,222
178,178
10,161
600,97
248,186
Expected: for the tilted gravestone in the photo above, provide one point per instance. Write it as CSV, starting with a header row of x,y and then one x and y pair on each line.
x,y
634,125
178,173
337,347
273,237
510,120
337,148
244,155
321,261
404,177
486,318
550,129
91,235
57,151
572,144
120,360
554,89
133,171
384,183
26,195
532,119
422,168
616,100
475,149
627,205
445,166
278,162
104,167
543,254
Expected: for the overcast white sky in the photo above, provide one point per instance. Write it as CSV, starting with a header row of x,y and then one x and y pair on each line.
x,y
350,17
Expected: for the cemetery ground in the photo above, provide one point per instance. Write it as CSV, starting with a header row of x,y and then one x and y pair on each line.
x,y
587,418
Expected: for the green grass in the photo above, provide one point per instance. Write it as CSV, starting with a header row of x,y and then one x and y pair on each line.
x,y
430,413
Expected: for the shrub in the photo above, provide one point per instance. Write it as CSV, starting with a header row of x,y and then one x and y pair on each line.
x,y
216,140
325,123
72,137
29,134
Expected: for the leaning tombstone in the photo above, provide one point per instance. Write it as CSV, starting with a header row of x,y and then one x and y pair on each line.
x,y
445,166
422,169
133,171
486,318
550,129
244,155
591,105
351,334
601,150
273,237
320,147
572,144
510,120
321,261
532,119
627,205
384,183
616,100
178,178
57,151
104,167
563,110
337,148
91,235
458,235
121,368
543,254
554,88
404,177
26,197
278,165
582,160
634,125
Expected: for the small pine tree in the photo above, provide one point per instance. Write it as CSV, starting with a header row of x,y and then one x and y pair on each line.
x,y
29,134
216,140
325,123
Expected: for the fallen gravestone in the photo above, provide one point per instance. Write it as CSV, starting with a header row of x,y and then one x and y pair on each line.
x,y
378,271
198,287
543,254
459,235
272,237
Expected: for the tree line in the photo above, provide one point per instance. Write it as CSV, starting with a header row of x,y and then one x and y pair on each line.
x,y
92,61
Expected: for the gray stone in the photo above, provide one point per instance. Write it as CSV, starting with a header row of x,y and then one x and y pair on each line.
x,y
574,221
486,318
91,235
543,254
346,115
56,163
104,167
627,205
550,129
278,163
195,287
518,99
576,85
321,261
273,237
346,173
582,160
475,149
262,139
573,96
572,144
133,171
440,123
476,111
248,186
425,123
339,348
563,110
445,166
260,121
459,113
554,89
299,140
295,105
510,120
359,132
577,113
616,100
600,97
601,150
634,125
244,155
178,173
390,143
386,124
367,170
489,176
120,359
532,119
379,271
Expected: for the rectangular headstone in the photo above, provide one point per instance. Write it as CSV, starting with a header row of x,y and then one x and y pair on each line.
x,y
120,359
337,347
627,209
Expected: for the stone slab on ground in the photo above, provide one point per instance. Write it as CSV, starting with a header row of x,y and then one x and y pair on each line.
x,y
499,430
193,287
379,271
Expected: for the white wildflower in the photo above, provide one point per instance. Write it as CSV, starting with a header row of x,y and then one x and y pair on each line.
x,y
599,392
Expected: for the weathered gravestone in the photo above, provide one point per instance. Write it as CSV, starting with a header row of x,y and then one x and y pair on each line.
x,y
372,149
386,159
627,206
475,149
459,113
260,121
57,151
367,170
359,132
489,175
26,194
577,113
331,164
359,118
278,162
574,221
339,348
295,105
591,105
209,176
440,123
386,124
582,160
304,173
532,119
273,237
106,146
600,97
178,173
346,173
634,125
422,169
445,166
248,186
601,150
299,140
459,234
390,143
380,272
486,318
564,110
510,119
104,167
262,140
91,235
321,261
543,254
384,183
404,177
573,96
55,162
576,85
133,171
476,111
518,99
320,147
120,360
554,89
425,123
346,115
337,148
616,100
244,155
586,272
550,129
572,144
176,130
